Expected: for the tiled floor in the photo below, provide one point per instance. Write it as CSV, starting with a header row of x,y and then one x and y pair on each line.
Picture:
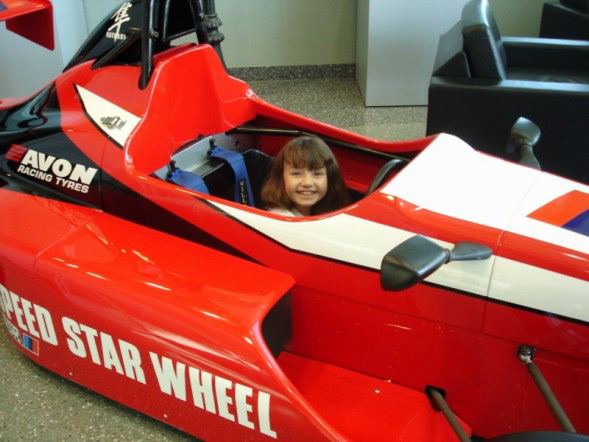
x,y
338,102
38,405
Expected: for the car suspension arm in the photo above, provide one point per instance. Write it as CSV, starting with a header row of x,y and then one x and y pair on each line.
x,y
438,398
526,355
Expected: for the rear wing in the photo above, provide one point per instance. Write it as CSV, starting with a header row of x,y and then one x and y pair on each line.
x,y
31,19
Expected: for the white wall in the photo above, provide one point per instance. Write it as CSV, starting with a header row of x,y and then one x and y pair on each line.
x,y
288,32
307,32
25,66
96,10
258,33
396,48
519,18
397,43
275,32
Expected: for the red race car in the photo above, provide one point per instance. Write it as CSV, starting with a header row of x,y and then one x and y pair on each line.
x,y
136,259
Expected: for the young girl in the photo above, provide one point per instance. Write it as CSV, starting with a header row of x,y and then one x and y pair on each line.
x,y
304,180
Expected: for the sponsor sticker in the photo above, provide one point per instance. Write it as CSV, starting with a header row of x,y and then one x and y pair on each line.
x,y
30,343
51,169
26,341
115,122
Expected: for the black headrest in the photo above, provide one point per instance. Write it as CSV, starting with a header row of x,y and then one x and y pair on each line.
x,y
482,41
579,5
450,59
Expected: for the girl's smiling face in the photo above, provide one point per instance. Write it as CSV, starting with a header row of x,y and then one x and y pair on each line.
x,y
304,187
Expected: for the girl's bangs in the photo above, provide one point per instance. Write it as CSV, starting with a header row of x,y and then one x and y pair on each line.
x,y
306,156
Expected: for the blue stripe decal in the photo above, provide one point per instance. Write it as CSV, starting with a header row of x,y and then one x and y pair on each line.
x,y
27,342
579,224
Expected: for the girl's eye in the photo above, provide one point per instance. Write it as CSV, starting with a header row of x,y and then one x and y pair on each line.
x,y
318,173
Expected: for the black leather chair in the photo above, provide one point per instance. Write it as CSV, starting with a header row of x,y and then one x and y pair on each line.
x,y
565,19
579,5
483,83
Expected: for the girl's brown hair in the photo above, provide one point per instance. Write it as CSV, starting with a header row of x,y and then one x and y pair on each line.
x,y
305,152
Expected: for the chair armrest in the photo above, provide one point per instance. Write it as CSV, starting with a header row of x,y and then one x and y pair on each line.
x,y
548,53
482,112
511,86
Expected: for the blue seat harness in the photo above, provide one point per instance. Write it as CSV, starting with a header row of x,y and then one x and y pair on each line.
x,y
243,189
189,180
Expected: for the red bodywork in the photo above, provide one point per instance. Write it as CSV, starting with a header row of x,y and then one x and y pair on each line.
x,y
177,325
32,19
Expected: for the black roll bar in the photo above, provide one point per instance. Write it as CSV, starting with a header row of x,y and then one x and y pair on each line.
x,y
298,133
148,34
215,38
206,24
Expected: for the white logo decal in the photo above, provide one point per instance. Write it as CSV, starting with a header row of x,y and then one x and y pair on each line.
x,y
112,119
57,170
30,325
120,17
34,323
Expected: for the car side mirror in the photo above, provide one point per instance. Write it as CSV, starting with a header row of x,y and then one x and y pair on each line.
x,y
418,257
523,137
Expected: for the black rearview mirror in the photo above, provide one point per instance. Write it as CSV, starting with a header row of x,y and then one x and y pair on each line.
x,y
523,137
418,257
